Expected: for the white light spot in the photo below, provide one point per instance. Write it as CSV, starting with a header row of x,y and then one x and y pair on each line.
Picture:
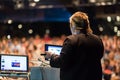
x,y
118,33
8,36
30,31
115,29
20,26
109,19
10,21
118,18
36,0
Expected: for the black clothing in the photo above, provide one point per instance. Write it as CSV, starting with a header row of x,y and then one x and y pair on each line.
x,y
80,58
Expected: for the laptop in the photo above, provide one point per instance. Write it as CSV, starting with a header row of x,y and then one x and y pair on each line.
x,y
13,64
56,49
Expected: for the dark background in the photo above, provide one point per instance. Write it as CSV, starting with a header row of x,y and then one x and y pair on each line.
x,y
53,15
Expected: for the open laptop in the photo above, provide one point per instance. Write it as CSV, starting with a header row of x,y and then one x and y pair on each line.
x,y
56,49
13,64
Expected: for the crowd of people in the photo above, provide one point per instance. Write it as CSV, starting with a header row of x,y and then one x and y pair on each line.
x,y
34,46
111,58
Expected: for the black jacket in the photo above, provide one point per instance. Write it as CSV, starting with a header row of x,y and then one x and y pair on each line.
x,y
80,58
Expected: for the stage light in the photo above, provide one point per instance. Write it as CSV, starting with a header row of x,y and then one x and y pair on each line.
x,y
19,26
92,1
115,29
19,4
109,19
30,31
103,3
10,21
118,18
8,36
118,33
109,3
42,7
33,4
76,2
36,0
100,28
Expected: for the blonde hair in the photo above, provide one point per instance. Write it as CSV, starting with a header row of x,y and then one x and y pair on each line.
x,y
80,21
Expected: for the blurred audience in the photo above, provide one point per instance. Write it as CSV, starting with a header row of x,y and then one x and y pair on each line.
x,y
111,59
34,47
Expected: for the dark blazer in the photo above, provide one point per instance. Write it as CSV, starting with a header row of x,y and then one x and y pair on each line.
x,y
80,58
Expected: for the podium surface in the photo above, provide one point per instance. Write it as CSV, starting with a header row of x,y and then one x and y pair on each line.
x,y
44,73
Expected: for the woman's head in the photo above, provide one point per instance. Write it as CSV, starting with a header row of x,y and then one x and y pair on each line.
x,y
79,21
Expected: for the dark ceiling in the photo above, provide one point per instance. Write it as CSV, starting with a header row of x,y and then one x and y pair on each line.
x,y
29,10
38,15
48,10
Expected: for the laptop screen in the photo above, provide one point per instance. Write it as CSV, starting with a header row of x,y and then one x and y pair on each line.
x,y
14,63
56,49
